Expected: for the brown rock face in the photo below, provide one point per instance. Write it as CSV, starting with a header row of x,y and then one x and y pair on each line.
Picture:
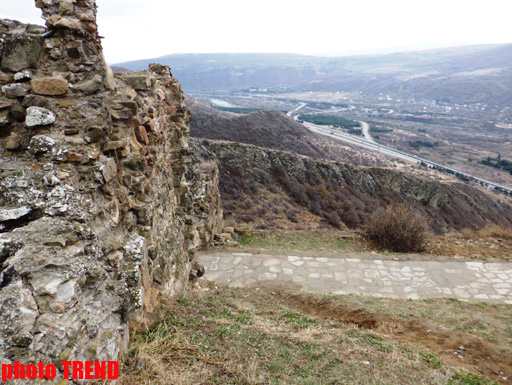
x,y
142,135
50,86
12,143
6,78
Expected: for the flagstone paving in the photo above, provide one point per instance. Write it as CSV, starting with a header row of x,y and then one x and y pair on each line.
x,y
467,281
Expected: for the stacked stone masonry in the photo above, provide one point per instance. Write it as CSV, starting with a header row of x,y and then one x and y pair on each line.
x,y
101,205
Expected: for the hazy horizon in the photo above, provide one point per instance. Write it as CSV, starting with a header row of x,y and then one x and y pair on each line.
x,y
136,30
368,52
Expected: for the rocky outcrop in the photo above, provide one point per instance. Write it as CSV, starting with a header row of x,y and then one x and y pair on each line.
x,y
101,207
264,186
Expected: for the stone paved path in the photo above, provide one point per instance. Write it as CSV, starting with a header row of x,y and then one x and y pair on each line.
x,y
468,281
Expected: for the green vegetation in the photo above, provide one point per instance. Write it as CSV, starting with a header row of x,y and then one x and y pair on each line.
x,y
421,143
300,241
355,131
325,105
372,339
466,178
466,378
246,336
487,321
502,190
331,120
419,120
498,163
379,129
238,110
463,177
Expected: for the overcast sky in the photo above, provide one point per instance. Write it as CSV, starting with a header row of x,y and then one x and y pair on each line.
x,y
138,29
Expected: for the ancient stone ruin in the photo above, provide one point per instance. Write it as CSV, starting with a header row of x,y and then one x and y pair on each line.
x,y
101,206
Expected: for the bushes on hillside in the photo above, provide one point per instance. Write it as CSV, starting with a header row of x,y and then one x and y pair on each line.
x,y
397,228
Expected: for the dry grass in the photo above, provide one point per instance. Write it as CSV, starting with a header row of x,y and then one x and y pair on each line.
x,y
298,241
494,231
242,336
490,243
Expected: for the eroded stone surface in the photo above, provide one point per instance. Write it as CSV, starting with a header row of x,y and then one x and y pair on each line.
x,y
11,214
16,90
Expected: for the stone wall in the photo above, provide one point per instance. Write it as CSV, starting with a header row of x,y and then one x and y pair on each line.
x,y
101,207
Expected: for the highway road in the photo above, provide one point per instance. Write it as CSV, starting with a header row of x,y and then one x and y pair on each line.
x,y
352,139
370,144
290,113
366,132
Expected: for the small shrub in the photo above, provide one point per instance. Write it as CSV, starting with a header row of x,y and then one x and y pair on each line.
x,y
245,218
292,216
228,207
315,208
397,228
333,219
273,189
467,233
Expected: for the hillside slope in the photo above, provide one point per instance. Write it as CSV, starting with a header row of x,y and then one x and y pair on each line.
x,y
270,129
276,188
274,130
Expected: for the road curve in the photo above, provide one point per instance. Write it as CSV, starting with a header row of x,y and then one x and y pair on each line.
x,y
366,132
290,113
352,139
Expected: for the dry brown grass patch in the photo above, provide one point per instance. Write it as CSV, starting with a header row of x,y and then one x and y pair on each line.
x,y
495,231
490,243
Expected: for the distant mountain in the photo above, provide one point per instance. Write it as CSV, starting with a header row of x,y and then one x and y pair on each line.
x,y
468,74
119,70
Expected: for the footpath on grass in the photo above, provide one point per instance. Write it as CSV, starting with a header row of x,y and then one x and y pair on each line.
x,y
466,281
